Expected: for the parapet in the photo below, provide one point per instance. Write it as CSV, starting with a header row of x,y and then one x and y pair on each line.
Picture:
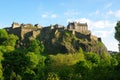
x,y
15,25
79,27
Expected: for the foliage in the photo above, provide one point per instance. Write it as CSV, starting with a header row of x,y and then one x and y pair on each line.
x,y
52,76
117,31
32,63
36,46
3,35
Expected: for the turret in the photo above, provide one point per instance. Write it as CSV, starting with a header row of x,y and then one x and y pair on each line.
x,y
15,25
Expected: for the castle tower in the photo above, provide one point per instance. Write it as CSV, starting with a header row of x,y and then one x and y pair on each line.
x,y
79,27
15,25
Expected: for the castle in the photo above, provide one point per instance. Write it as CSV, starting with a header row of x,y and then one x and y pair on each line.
x,y
79,27
27,30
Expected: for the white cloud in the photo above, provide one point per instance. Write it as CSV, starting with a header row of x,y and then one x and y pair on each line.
x,y
44,15
71,13
108,5
53,16
103,29
104,34
111,44
62,4
95,24
103,24
110,12
97,12
117,14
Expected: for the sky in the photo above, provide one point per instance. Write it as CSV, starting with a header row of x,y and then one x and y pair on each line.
x,y
100,15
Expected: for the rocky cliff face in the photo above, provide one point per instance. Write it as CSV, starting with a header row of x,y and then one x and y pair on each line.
x,y
59,39
64,41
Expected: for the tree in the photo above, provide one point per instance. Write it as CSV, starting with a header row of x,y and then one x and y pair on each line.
x,y
36,46
3,35
11,41
14,62
117,32
93,57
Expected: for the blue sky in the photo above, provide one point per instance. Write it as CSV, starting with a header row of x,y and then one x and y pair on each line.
x,y
101,15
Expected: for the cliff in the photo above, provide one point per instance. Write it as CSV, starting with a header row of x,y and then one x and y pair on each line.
x,y
59,39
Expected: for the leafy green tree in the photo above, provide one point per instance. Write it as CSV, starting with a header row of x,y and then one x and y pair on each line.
x,y
3,35
82,67
117,32
14,62
33,59
1,68
52,76
36,46
92,57
11,41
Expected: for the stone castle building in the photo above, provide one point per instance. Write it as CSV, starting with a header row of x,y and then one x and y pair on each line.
x,y
27,30
78,27
15,25
24,30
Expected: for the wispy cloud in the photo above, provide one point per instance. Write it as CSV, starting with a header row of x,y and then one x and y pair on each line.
x,y
95,24
113,13
103,34
54,16
71,13
106,14
101,26
112,45
95,13
44,15
108,5
62,4
117,13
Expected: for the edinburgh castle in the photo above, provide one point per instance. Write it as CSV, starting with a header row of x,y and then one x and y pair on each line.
x,y
27,30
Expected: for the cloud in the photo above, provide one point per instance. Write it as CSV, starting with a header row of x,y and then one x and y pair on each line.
x,y
54,16
71,13
110,13
108,5
62,4
107,14
101,28
112,45
103,24
94,24
104,34
44,15
117,14
97,12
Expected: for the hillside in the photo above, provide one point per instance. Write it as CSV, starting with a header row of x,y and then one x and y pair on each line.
x,y
55,52
57,38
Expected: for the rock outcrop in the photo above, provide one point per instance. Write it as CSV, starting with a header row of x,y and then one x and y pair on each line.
x,y
59,39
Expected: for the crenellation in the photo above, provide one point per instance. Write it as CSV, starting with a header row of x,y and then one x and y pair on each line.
x,y
23,30
79,27
15,25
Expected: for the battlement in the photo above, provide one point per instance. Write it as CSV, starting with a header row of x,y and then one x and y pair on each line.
x,y
22,30
79,27
15,25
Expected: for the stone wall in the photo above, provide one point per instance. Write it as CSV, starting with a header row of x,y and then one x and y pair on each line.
x,y
15,25
79,27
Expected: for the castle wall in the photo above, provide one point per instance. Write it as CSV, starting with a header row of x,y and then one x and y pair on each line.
x,y
79,27
32,32
15,25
